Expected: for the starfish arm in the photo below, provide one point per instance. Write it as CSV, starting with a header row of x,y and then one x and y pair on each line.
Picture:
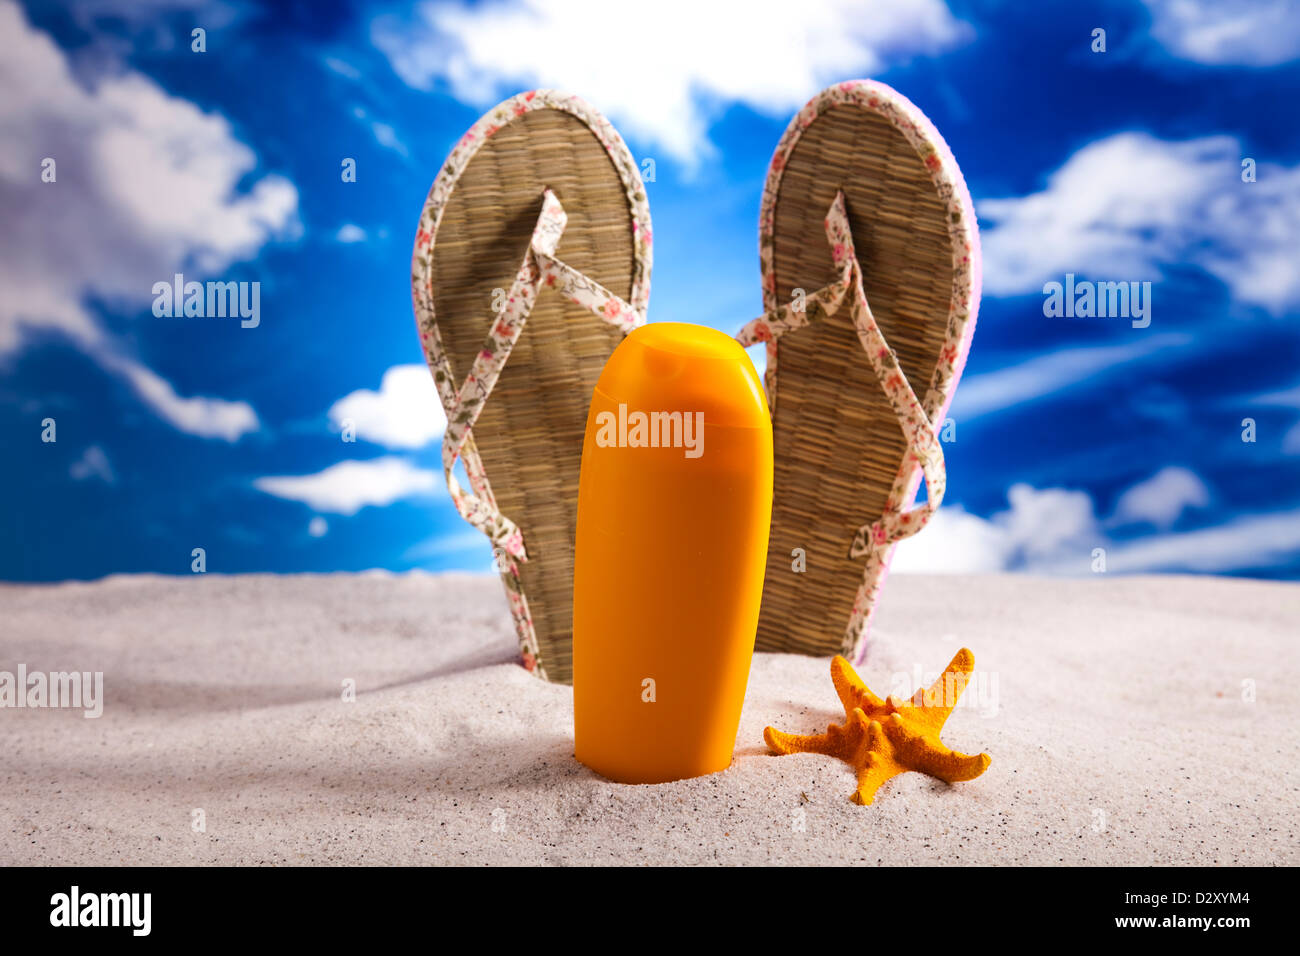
x,y
873,772
836,742
925,752
953,766
935,705
967,766
851,689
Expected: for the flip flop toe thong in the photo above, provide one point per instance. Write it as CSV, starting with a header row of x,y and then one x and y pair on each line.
x,y
532,262
870,258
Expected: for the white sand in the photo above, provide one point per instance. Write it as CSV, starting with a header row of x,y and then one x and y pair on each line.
x,y
1121,735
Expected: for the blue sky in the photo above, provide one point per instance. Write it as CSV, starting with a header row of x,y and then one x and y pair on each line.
x,y
1072,433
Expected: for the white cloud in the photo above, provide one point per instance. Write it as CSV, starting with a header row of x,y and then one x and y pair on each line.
x,y
93,463
197,415
404,413
317,527
1291,440
1041,527
145,187
1042,523
1055,531
1162,498
954,542
1124,207
441,545
1244,543
141,13
385,135
342,68
349,486
1054,372
663,72
350,232
1243,33
1284,398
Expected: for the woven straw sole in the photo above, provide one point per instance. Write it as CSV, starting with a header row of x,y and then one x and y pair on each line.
x,y
530,433
838,444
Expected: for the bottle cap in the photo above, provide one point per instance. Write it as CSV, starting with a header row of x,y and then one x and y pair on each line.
x,y
678,367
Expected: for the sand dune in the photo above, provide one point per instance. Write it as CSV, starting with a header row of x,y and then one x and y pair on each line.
x,y
1117,713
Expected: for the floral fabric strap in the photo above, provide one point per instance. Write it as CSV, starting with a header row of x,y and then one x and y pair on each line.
x,y
539,269
894,524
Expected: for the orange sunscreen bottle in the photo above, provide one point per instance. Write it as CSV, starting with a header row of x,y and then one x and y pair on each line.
x,y
674,507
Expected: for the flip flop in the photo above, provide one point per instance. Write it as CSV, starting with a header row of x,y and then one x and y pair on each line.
x,y
542,236
870,258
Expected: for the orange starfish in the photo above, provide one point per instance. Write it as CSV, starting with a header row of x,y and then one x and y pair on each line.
x,y
883,738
